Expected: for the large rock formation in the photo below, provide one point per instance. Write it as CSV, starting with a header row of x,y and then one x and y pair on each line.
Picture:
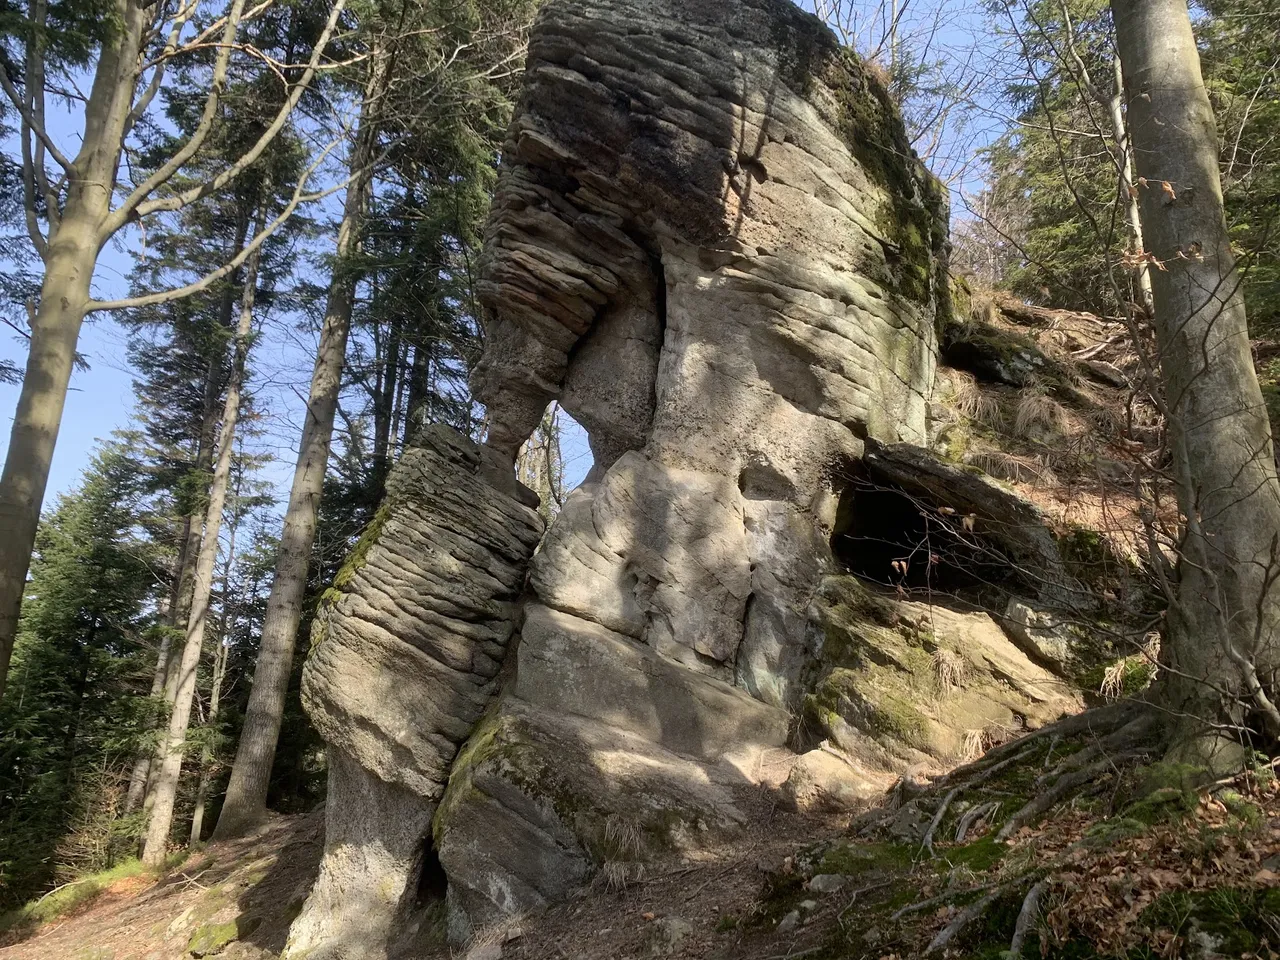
x,y
712,244
407,653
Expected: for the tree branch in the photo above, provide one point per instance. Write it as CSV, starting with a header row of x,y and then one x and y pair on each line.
x,y
167,169
298,198
137,206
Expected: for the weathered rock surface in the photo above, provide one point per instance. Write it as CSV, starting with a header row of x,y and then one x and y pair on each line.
x,y
907,684
406,656
710,244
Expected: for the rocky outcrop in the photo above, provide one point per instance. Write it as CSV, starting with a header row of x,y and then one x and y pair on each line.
x,y
407,653
710,244
913,684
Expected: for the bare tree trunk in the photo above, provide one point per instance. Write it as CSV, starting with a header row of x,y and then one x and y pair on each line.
x,y
142,765
69,261
246,800
168,762
1223,636
215,690
141,778
1120,132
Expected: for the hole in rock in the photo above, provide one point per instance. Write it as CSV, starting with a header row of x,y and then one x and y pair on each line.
x,y
433,882
555,459
886,536
575,451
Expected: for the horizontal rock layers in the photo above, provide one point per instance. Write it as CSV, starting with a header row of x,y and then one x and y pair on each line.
x,y
711,243
407,653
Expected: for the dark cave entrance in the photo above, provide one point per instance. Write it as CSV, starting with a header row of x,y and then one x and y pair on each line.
x,y
433,882
885,535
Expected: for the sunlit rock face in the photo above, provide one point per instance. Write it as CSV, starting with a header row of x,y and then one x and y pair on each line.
x,y
712,244
408,650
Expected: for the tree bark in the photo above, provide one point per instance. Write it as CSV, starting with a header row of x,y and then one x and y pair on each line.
x,y
1223,632
168,763
246,801
215,691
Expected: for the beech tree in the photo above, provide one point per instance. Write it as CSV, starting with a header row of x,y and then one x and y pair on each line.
x,y
73,206
1223,632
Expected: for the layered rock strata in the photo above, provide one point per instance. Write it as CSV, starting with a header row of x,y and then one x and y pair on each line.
x,y
711,243
407,653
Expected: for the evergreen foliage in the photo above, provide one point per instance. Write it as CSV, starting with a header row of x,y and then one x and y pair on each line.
x,y
79,701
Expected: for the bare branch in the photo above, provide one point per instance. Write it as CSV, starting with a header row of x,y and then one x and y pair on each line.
x,y
137,206
299,197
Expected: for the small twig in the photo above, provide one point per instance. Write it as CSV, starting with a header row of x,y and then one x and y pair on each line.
x,y
853,898
981,812
962,920
946,897
665,876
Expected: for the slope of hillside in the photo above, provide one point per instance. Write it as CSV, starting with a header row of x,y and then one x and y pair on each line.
x,y
1069,843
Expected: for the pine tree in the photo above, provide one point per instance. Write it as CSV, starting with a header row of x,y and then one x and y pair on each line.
x,y
68,728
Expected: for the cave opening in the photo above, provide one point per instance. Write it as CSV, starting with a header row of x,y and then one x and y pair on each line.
x,y
885,535
433,882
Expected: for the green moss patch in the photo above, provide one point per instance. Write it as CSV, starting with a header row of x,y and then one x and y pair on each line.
x,y
67,898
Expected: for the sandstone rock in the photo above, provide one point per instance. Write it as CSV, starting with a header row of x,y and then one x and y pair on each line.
x,y
1042,636
827,883
906,683
820,780
406,654
711,244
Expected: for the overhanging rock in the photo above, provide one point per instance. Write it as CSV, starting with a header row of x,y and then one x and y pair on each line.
x,y
712,244
407,653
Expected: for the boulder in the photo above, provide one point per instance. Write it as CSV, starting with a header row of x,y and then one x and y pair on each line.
x,y
825,781
905,685
712,244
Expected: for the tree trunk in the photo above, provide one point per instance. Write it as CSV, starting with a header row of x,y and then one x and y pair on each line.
x,y
69,263
1223,632
168,763
246,800
1120,132
215,694
142,764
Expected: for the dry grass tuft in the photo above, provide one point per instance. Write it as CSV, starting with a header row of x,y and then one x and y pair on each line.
x,y
973,746
615,876
1015,469
622,838
972,402
1038,414
949,668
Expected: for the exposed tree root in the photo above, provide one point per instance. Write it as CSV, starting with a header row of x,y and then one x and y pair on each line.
x,y
1065,784
1026,918
937,819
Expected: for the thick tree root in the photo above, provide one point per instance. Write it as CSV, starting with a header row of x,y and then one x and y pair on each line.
x,y
1026,918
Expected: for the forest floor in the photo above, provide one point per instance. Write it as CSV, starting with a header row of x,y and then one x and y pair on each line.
x,y
1070,845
